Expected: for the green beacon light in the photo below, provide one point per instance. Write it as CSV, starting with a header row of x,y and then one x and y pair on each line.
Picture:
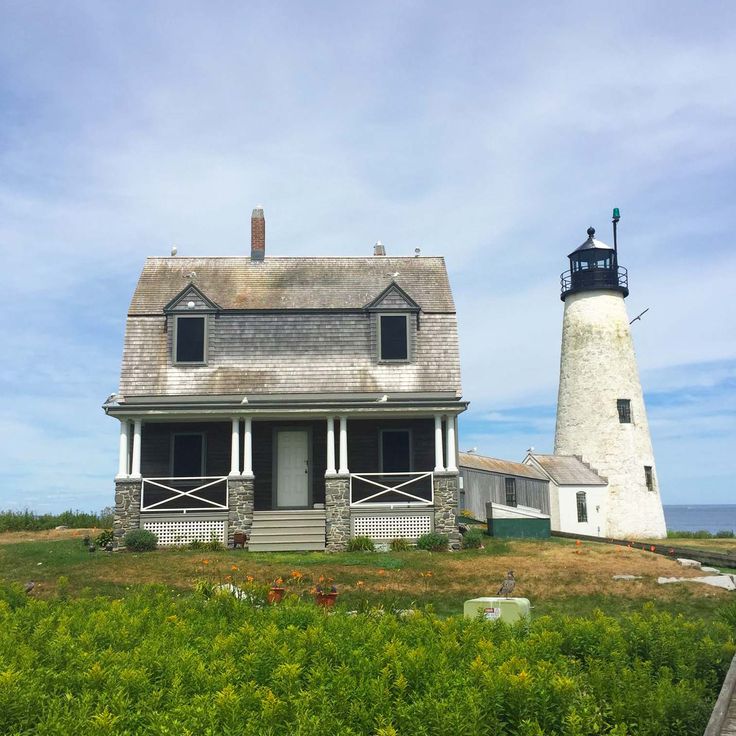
x,y
616,214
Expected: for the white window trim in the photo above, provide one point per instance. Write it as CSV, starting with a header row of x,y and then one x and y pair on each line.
x,y
380,448
203,458
406,316
177,317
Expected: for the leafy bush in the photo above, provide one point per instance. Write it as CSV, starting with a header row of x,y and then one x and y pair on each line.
x,y
473,539
433,541
700,534
26,520
361,544
155,663
400,545
196,544
104,538
140,540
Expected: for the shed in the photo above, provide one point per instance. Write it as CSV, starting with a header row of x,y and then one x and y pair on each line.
x,y
578,494
503,482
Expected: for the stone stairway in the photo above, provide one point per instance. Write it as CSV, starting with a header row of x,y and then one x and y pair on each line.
x,y
285,531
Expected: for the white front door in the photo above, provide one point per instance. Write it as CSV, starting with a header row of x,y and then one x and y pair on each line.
x,y
292,468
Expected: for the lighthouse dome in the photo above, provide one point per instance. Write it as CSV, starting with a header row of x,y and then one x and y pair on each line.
x,y
594,266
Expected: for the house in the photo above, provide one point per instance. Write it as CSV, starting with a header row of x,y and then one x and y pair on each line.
x,y
297,400
513,497
578,494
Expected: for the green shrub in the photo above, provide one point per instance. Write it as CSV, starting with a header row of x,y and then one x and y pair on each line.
x,y
433,541
473,539
140,540
361,544
208,663
700,534
26,520
725,534
196,544
400,545
104,538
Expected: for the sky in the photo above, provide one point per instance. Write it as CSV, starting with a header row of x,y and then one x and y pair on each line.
x,y
491,133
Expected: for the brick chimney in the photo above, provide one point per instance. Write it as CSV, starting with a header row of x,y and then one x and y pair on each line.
x,y
257,234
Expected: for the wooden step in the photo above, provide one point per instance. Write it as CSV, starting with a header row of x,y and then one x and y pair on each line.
x,y
288,524
295,514
286,546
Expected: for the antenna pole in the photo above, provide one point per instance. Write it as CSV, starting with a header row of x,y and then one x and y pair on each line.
x,y
616,218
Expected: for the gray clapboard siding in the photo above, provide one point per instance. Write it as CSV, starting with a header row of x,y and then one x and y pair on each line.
x,y
480,487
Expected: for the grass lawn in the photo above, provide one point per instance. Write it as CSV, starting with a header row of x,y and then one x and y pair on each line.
x,y
557,575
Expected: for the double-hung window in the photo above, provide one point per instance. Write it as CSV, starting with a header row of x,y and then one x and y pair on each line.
x,y
190,340
582,503
393,337
510,487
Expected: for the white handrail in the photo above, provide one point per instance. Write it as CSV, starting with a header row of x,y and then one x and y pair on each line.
x,y
415,500
192,493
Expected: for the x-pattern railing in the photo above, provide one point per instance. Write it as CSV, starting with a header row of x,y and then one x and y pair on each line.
x,y
390,489
179,493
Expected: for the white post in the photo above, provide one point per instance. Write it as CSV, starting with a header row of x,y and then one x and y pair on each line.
x,y
343,446
235,448
439,463
123,461
451,454
248,448
331,446
135,470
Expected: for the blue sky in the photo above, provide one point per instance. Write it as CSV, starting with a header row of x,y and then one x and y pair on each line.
x,y
491,133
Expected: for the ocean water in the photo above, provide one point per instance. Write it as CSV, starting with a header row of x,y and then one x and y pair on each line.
x,y
693,518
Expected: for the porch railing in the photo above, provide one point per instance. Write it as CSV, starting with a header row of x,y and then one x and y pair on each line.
x,y
184,494
391,489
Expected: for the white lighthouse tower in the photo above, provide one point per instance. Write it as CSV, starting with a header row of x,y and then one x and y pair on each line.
x,y
600,407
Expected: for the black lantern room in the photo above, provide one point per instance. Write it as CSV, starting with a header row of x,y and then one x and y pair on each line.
x,y
594,266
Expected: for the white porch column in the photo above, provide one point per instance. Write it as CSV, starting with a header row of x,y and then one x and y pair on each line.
x,y
451,454
248,448
343,446
123,461
331,446
235,448
439,463
135,469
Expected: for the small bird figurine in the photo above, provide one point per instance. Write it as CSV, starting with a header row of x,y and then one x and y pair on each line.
x,y
29,586
508,585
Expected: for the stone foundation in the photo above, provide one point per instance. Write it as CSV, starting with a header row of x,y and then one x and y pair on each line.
x,y
240,516
127,509
445,507
337,510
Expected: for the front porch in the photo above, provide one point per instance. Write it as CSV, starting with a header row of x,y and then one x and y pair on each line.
x,y
288,483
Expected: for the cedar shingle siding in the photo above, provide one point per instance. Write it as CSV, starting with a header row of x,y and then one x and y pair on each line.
x,y
296,351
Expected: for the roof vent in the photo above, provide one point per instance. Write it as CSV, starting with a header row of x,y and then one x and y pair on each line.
x,y
379,249
257,234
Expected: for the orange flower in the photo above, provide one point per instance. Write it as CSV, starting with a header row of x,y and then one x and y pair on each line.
x,y
360,584
296,575
278,581
250,579
205,562
382,572
234,568
228,577
321,579
577,542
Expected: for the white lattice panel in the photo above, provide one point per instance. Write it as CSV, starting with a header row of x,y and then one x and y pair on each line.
x,y
394,526
171,533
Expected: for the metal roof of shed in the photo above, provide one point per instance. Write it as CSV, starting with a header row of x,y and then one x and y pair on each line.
x,y
494,465
569,470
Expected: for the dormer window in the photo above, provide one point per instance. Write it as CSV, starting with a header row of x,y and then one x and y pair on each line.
x,y
393,336
189,340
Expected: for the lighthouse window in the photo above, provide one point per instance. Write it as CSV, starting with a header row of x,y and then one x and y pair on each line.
x,y
510,491
624,410
649,477
582,507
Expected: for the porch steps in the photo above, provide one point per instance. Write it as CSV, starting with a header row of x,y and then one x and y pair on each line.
x,y
285,531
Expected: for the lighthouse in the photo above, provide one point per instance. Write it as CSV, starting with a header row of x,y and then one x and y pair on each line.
x,y
601,416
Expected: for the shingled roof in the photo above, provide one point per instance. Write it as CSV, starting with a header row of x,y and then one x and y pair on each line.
x,y
494,465
293,282
569,470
